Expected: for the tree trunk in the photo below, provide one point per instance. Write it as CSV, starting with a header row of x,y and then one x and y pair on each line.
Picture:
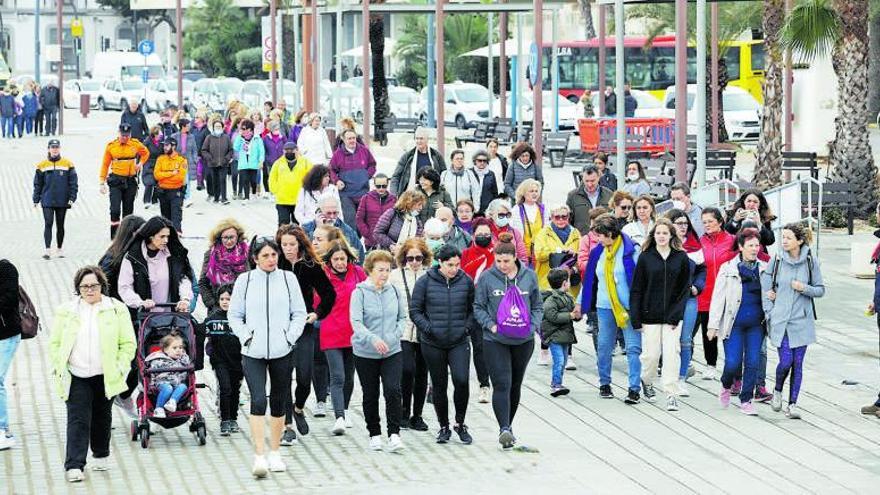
x,y
380,85
851,158
874,68
586,9
288,50
723,79
768,170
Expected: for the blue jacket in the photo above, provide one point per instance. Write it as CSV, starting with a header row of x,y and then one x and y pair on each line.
x,y
30,105
55,184
256,154
590,286
351,236
7,105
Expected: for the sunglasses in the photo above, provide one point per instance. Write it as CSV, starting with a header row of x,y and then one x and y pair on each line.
x,y
505,215
560,217
418,259
481,160
381,186
625,207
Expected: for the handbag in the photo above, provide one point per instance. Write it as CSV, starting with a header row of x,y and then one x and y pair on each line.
x,y
567,261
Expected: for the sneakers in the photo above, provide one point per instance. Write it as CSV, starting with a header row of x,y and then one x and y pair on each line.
x,y
171,405
224,429
571,365
395,444
463,434
233,426
260,468
605,392
762,395
648,390
671,403
288,438
444,435
682,388
557,391
710,373
5,441
404,421
793,412
127,405
737,387
302,426
506,439
339,426
276,465
484,395
544,357
348,422
871,409
320,410
748,408
59,253
418,424
776,401
159,412
47,254
100,464
724,397
691,371
632,397
376,443
75,475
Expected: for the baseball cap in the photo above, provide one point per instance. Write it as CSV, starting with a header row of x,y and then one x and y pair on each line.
x,y
170,140
290,145
125,128
54,143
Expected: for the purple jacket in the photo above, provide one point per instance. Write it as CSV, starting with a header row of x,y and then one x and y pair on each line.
x,y
294,132
274,148
372,207
354,169
387,229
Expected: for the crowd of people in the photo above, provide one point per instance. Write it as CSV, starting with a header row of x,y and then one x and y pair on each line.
x,y
30,110
406,280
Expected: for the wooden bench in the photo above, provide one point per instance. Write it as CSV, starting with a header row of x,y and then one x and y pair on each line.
x,y
721,161
392,125
556,143
505,133
796,161
481,134
834,195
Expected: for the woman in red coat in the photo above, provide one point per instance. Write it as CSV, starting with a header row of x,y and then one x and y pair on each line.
x,y
336,331
480,255
718,248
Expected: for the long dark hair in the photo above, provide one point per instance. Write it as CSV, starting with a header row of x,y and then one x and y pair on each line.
x,y
306,250
674,214
152,227
314,177
763,206
126,231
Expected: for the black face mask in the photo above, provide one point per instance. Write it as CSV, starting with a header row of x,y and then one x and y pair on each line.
x,y
290,156
54,158
483,240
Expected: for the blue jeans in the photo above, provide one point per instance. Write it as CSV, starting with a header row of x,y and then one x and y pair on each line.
x,y
607,339
8,126
559,352
166,391
687,335
743,340
7,351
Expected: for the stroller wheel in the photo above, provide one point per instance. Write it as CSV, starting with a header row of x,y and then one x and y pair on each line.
x,y
145,438
133,430
201,433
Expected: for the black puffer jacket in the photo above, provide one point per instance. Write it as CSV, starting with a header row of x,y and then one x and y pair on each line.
x,y
443,310
10,322
660,288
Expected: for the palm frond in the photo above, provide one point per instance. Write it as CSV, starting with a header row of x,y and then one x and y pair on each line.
x,y
811,29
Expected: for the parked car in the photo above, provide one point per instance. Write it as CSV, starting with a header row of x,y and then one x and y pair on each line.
x,y
403,102
214,94
254,93
568,111
162,93
22,79
192,75
359,80
465,105
742,112
76,87
116,93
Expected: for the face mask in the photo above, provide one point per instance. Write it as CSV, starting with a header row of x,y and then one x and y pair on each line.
x,y
678,205
217,132
415,213
502,222
434,244
290,156
483,240
633,177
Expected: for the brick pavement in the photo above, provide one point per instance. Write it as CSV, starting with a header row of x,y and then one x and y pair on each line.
x,y
587,445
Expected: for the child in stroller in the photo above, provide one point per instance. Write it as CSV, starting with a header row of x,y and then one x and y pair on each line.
x,y
170,385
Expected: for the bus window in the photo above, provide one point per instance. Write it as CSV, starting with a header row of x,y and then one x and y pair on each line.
x,y
731,59
638,67
757,58
662,68
692,65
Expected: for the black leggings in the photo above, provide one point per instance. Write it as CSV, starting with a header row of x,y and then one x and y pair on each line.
x,y
371,373
55,215
320,370
247,183
279,374
303,359
479,360
710,347
341,363
414,383
507,367
229,385
440,362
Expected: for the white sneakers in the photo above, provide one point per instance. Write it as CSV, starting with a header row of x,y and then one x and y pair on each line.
x,y
710,373
485,396
682,388
159,412
395,444
544,357
6,442
320,410
171,405
571,365
339,427
376,443
260,468
264,464
100,464
776,401
276,465
75,475
348,421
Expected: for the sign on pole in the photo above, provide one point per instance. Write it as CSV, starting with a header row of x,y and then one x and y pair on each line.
x,y
146,47
76,28
266,44
534,71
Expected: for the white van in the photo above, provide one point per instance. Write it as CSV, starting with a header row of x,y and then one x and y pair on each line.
x,y
126,65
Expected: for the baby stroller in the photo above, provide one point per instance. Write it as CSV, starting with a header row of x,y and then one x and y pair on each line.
x,y
153,327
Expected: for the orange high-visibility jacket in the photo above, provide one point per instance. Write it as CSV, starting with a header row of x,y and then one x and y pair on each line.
x,y
123,159
170,171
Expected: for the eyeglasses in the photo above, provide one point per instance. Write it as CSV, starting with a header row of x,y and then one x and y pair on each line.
x,y
481,160
381,186
560,217
417,258
229,238
505,215
89,287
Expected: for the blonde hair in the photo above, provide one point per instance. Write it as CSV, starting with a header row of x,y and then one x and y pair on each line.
x,y
408,199
223,225
524,187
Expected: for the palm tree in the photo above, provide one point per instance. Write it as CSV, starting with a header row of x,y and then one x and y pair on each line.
x,y
586,8
842,25
768,170
380,85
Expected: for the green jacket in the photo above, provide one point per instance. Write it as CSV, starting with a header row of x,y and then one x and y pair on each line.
x,y
118,344
557,326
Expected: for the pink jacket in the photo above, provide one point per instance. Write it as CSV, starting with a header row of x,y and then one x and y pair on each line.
x,y
717,249
336,328
588,242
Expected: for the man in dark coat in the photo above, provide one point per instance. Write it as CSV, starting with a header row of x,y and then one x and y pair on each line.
x,y
134,117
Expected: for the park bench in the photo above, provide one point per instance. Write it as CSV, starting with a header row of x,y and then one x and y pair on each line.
x,y
834,195
796,161
391,125
556,143
481,134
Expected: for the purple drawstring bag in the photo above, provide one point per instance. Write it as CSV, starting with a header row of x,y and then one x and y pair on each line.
x,y
513,318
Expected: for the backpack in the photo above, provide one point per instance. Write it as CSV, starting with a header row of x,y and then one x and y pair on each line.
x,y
30,322
774,285
513,319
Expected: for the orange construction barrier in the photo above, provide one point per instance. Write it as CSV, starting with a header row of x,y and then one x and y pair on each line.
x,y
651,135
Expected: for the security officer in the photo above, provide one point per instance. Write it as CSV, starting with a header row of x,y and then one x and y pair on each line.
x,y
170,174
123,158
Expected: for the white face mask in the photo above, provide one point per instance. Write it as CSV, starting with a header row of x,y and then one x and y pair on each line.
x,y
679,205
633,177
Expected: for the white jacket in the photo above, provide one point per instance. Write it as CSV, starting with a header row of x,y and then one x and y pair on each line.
x,y
307,203
314,145
461,186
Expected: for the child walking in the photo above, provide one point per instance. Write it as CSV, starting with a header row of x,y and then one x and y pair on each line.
x,y
557,327
225,351
168,385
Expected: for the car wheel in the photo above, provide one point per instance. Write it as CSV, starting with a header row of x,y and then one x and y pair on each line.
x,y
102,106
573,98
460,122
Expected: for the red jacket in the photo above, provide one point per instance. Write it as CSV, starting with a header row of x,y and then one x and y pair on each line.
x,y
718,248
372,207
475,260
336,328
519,243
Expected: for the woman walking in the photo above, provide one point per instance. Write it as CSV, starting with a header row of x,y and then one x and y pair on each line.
x,y
224,261
718,248
660,286
638,229
442,310
413,260
55,188
435,196
401,223
112,258
791,283
508,309
378,318
90,347
313,142
530,215
460,183
736,315
523,166
636,182
251,154
267,314
499,214
154,144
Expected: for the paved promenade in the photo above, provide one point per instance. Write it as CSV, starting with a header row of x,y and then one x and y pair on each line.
x,y
586,445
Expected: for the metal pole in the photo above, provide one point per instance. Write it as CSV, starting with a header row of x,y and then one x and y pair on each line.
x,y
713,28
681,90
519,76
537,96
491,64
273,73
178,12
37,37
701,92
603,24
134,25
554,80
788,78
502,64
441,76
307,64
432,74
365,66
316,57
337,104
60,29
619,28
297,63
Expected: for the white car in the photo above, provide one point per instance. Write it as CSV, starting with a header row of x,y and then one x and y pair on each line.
x,y
76,87
215,94
648,106
116,93
569,112
403,102
253,93
465,104
742,112
162,93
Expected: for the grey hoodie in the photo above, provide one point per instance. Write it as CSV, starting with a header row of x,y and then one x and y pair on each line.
x,y
267,313
376,314
491,287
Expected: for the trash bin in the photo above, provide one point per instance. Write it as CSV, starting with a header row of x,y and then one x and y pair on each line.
x,y
85,102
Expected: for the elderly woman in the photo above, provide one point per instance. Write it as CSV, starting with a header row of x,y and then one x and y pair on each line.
x,y
313,142
556,246
400,223
224,261
90,348
459,182
530,215
500,213
429,184
638,229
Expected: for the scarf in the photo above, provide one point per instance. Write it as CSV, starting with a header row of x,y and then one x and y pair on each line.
x,y
562,234
477,260
466,226
621,317
225,265
409,229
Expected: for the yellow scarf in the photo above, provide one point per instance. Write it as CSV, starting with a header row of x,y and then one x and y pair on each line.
x,y
621,316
